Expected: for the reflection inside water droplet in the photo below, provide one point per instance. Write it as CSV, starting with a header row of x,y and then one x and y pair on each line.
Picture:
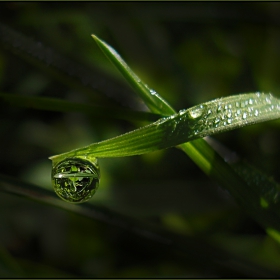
x,y
75,180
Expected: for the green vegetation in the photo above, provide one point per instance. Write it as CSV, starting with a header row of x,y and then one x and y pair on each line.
x,y
157,214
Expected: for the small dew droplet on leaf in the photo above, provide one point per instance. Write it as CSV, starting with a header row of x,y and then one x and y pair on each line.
x,y
197,111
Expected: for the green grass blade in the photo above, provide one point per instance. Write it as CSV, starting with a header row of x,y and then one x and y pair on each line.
x,y
59,105
231,178
153,100
258,182
206,119
259,198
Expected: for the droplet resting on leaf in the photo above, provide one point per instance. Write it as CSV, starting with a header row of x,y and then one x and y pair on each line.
x,y
196,111
206,119
75,180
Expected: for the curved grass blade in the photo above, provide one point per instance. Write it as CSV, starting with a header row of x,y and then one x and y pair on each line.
x,y
227,114
212,117
59,105
243,112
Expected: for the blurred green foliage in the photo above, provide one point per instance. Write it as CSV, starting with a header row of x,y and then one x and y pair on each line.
x,y
188,52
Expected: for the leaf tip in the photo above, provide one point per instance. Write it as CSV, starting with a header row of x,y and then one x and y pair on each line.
x,y
96,39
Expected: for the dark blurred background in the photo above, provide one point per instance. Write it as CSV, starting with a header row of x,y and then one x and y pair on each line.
x,y
189,52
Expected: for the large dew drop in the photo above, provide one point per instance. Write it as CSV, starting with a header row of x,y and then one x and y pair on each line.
x,y
75,180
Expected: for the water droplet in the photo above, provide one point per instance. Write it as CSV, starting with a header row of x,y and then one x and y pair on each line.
x,y
244,116
251,101
217,120
237,104
75,180
244,103
182,112
229,121
196,111
219,109
267,99
256,113
237,113
161,121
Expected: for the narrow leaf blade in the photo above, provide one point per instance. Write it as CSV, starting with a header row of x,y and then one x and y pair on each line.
x,y
153,100
212,117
